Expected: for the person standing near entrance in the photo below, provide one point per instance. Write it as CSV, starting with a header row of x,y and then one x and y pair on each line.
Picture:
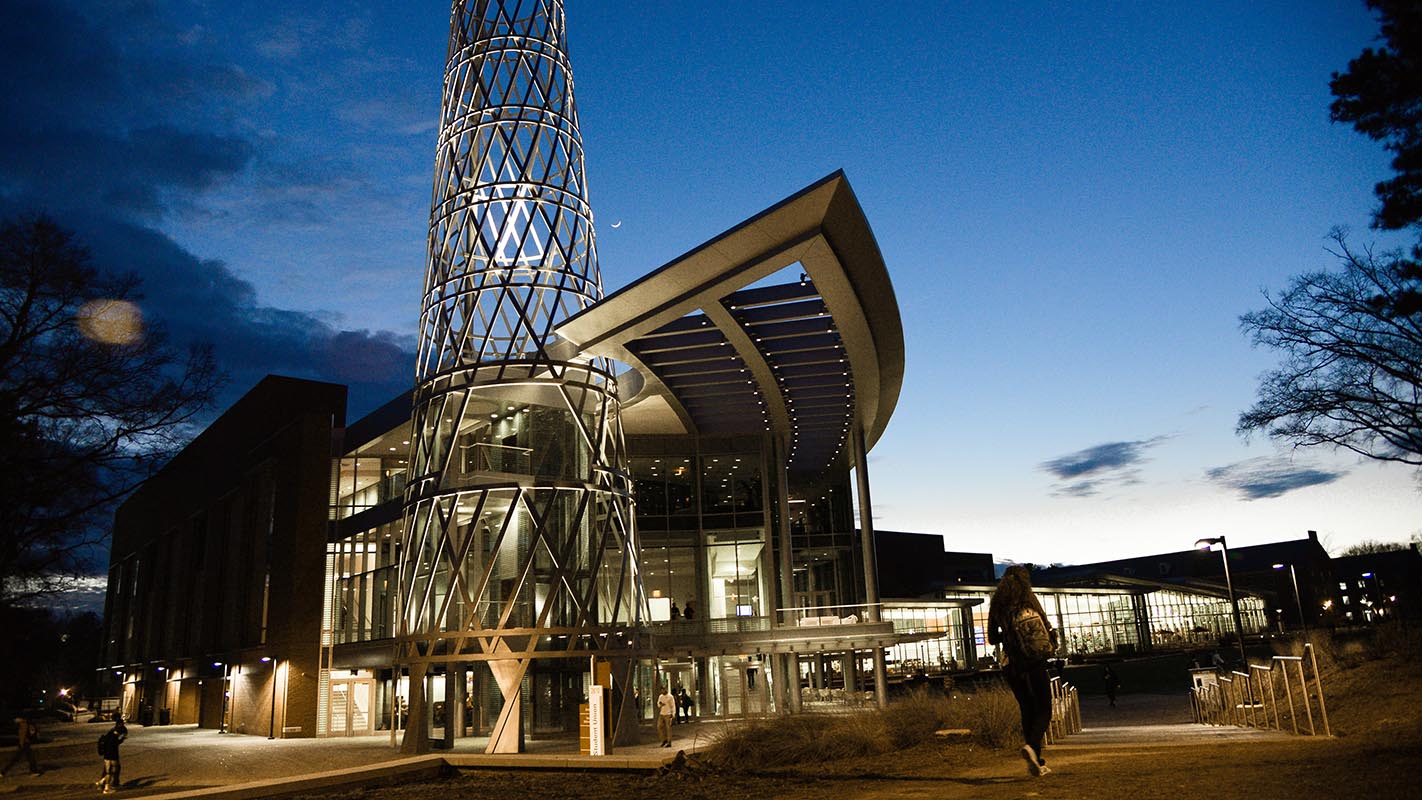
x,y
1018,624
666,711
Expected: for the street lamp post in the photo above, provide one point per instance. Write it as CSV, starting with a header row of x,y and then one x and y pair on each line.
x,y
1298,599
1206,544
271,726
222,718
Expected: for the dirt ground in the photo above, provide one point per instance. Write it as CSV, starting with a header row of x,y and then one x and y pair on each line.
x,y
1373,707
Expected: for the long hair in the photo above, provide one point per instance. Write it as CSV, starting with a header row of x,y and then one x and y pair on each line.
x,y
1014,593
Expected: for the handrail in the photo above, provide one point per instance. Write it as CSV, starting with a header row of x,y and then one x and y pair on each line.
x,y
1240,698
1066,710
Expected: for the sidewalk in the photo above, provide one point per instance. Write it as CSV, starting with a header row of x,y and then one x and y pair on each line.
x,y
186,761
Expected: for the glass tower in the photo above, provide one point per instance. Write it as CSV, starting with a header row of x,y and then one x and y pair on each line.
x,y
519,559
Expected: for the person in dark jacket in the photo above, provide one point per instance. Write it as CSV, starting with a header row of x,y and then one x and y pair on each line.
x,y
1026,676
109,743
26,734
1113,684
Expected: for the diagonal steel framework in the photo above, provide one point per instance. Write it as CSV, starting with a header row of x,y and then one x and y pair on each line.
x,y
519,537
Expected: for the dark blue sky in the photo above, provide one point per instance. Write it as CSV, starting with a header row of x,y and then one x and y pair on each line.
x,y
1076,202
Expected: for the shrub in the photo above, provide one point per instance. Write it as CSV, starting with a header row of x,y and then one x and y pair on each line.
x,y
989,713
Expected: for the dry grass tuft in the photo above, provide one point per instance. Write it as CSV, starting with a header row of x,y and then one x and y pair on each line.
x,y
991,714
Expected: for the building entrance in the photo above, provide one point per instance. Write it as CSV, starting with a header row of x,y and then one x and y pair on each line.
x,y
743,688
350,707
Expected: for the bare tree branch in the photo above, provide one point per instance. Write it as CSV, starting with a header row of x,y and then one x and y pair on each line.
x,y
1351,343
84,417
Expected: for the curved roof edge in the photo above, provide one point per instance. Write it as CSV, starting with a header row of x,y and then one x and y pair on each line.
x,y
824,229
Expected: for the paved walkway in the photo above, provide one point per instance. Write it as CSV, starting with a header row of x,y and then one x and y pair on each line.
x,y
183,761
186,761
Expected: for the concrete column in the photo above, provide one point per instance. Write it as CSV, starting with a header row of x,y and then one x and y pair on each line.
x,y
871,562
792,671
787,563
866,522
507,736
881,681
417,738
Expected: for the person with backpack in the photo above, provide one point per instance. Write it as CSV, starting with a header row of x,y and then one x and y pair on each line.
x,y
109,752
1017,624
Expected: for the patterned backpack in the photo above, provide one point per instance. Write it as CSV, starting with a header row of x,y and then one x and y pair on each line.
x,y
1033,638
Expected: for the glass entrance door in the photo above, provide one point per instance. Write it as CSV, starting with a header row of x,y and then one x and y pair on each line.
x,y
350,707
744,688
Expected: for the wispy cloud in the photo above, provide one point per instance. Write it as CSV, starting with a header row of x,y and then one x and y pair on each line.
x,y
1264,477
1087,472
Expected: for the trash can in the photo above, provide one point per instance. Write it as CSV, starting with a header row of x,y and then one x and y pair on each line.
x,y
165,716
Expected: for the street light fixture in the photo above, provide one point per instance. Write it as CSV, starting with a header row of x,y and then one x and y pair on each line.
x,y
1206,544
271,725
1298,600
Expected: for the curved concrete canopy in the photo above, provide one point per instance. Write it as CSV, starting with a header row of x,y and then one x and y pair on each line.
x,y
722,350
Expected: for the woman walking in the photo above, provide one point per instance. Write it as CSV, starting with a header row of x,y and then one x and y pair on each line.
x,y
1017,623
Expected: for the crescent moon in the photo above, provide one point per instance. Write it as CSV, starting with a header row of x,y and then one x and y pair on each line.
x,y
617,224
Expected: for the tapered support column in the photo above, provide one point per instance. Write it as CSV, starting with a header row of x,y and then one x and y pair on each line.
x,y
417,738
507,736
871,562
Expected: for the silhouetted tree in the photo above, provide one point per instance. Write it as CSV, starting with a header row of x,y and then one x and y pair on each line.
x,y
91,402
1352,371
1368,547
1352,339
1381,96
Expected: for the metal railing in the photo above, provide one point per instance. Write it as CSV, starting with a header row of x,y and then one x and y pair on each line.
x,y
1066,711
819,616
489,457
703,625
1255,699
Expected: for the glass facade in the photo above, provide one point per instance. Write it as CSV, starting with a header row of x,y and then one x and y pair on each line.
x,y
1180,619
948,648
361,584
702,521
365,479
1090,622
827,562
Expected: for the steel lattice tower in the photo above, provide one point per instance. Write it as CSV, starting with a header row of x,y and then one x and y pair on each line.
x,y
519,538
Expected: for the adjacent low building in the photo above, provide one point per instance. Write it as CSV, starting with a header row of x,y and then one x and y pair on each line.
x,y
1098,613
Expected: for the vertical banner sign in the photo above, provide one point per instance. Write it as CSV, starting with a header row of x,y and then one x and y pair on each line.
x,y
596,746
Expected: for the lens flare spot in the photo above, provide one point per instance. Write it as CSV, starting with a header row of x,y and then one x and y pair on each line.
x,y
111,321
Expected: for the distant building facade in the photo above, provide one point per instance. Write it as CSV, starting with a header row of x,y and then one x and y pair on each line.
x,y
1374,587
1097,613
1265,570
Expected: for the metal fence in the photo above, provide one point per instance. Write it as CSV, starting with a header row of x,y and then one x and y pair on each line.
x,y
1264,697
1066,711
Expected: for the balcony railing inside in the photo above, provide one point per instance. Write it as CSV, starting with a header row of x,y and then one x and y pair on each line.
x,y
489,457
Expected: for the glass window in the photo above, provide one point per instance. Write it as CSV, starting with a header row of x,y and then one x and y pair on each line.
x,y
735,579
